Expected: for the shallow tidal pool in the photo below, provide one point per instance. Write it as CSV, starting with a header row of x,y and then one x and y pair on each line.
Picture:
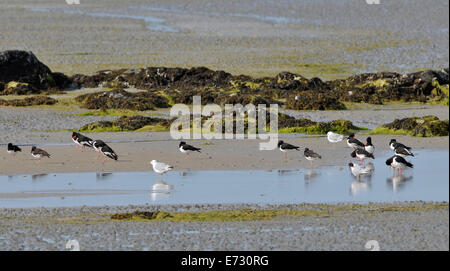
x,y
428,181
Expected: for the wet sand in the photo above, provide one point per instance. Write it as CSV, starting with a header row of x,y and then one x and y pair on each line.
x,y
217,155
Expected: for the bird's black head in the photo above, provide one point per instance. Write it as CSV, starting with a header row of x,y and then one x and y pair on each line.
x,y
74,135
9,145
353,154
182,143
350,164
352,135
33,148
280,143
306,149
389,161
392,141
369,141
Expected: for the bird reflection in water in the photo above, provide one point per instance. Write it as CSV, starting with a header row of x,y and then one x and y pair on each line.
x,y
398,182
160,190
358,187
310,175
36,177
286,172
101,176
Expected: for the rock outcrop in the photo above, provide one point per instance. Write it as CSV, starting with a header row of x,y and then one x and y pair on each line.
x,y
22,73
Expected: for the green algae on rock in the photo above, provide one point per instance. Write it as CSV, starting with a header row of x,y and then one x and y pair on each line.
x,y
127,123
427,126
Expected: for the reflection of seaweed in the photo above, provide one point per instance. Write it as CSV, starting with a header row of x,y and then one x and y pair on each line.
x,y
398,182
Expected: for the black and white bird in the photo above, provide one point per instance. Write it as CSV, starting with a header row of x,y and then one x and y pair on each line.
x,y
393,144
403,152
82,140
354,143
285,147
362,154
108,153
398,163
310,155
369,147
185,148
13,149
160,167
357,170
97,145
39,153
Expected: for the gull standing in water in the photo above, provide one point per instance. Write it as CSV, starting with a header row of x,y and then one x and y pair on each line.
x,y
357,171
160,167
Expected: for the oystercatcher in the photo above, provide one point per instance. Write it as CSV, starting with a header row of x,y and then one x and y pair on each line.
x,y
185,148
82,140
13,149
160,167
403,152
357,170
398,163
369,147
108,153
354,143
75,139
285,147
311,156
334,138
39,153
361,154
394,144
97,145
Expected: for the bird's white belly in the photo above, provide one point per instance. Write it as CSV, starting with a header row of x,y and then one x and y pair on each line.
x,y
369,149
183,150
398,165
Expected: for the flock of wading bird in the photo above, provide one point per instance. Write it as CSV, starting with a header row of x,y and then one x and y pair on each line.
x,y
360,151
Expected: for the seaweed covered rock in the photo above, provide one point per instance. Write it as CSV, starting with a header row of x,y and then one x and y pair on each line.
x,y
126,123
156,78
18,88
121,99
29,101
24,67
288,124
312,100
427,126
